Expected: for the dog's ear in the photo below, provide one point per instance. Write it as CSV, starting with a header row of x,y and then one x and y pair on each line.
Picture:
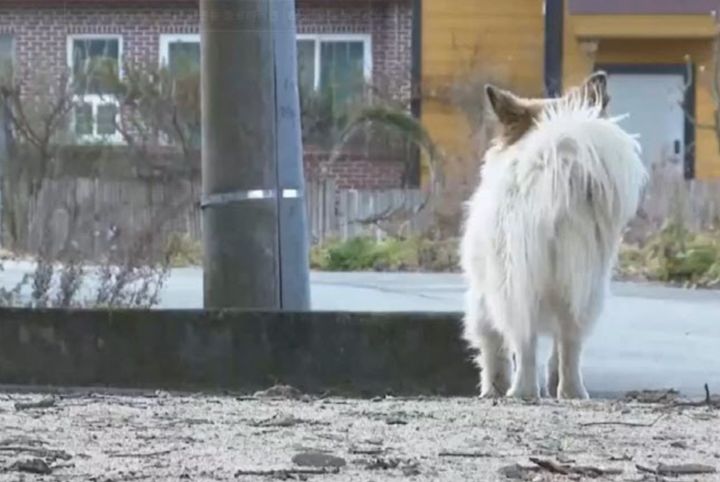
x,y
507,107
515,116
595,88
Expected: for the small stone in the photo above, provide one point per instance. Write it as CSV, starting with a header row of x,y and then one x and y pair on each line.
x,y
373,441
514,472
318,459
564,459
679,444
382,463
411,470
32,466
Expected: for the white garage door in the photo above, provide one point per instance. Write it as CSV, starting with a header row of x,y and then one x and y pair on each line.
x,y
654,102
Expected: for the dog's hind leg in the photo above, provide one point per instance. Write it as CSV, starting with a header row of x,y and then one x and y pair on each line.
x,y
553,375
569,338
525,383
570,383
492,360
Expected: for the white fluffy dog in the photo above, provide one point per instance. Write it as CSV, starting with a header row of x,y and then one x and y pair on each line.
x,y
558,186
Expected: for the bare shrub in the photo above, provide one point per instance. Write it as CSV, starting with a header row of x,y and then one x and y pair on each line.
x,y
159,125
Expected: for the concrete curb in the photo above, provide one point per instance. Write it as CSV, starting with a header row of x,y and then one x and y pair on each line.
x,y
361,354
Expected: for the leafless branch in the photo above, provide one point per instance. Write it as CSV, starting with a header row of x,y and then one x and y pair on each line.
x,y
285,473
626,424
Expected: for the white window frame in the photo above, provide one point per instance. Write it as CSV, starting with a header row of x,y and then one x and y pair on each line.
x,y
167,39
366,39
96,100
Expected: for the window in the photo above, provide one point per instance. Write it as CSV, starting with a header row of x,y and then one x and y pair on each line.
x,y
180,54
7,56
94,61
340,64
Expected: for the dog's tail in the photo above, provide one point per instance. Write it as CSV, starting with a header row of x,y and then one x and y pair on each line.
x,y
587,157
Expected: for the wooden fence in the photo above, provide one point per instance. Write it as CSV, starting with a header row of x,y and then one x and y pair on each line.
x,y
696,204
97,217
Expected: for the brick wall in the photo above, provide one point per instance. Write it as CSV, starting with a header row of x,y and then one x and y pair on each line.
x,y
41,48
354,171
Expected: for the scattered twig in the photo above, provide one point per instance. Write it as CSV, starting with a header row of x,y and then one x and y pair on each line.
x,y
140,454
685,469
285,473
563,469
652,396
590,471
707,402
395,421
279,420
550,466
647,470
465,454
676,470
366,450
626,424
37,451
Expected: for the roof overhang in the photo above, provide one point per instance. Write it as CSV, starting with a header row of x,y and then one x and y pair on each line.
x,y
643,7
644,26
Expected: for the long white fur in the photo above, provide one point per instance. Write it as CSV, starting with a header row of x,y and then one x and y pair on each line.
x,y
540,238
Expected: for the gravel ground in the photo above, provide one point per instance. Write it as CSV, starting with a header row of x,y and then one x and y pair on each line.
x,y
283,435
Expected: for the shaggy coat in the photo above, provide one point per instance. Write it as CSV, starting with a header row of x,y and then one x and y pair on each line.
x,y
541,235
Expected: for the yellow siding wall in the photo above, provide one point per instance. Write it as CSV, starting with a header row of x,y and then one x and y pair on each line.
x,y
577,63
506,37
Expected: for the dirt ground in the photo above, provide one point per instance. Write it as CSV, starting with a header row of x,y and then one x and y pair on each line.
x,y
284,435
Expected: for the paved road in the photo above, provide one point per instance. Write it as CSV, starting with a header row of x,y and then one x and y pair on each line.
x,y
649,336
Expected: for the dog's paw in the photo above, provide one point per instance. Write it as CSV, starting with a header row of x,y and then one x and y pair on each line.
x,y
491,392
526,392
572,392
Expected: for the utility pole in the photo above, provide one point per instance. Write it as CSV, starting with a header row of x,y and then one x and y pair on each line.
x,y
254,229
292,218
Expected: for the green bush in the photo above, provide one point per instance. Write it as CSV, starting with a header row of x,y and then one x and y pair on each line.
x,y
675,255
182,251
392,254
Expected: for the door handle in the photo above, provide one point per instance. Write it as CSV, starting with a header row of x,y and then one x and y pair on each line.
x,y
676,147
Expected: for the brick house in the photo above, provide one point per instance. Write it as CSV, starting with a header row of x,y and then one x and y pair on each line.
x,y
334,38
